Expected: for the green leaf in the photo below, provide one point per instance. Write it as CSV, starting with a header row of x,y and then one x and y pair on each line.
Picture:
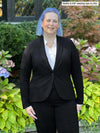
x,y
87,118
1,103
90,88
18,111
97,114
9,106
24,112
81,41
8,56
5,114
85,98
97,45
90,102
83,110
30,120
86,84
91,112
97,106
18,104
97,100
97,93
5,52
11,85
21,121
94,97
1,110
5,82
16,126
87,92
2,124
8,124
95,59
12,117
14,129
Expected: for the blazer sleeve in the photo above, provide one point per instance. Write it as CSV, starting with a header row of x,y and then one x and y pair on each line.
x,y
76,73
25,72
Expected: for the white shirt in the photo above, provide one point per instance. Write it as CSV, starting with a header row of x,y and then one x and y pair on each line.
x,y
51,53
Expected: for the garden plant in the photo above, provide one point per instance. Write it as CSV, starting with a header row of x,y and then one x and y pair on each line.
x,y
12,116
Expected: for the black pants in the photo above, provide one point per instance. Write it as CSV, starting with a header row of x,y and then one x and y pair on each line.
x,y
56,114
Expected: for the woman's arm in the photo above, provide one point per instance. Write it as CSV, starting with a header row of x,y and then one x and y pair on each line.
x,y
77,74
25,72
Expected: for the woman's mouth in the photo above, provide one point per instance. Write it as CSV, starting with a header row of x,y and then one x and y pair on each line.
x,y
51,28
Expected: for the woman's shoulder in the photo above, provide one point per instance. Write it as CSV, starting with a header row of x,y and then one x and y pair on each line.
x,y
34,42
65,39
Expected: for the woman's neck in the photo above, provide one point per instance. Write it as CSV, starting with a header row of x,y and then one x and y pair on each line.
x,y
49,38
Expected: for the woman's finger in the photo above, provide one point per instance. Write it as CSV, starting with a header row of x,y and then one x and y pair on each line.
x,y
33,116
30,111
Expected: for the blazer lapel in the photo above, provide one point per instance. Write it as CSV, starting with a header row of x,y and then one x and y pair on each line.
x,y
59,52
43,54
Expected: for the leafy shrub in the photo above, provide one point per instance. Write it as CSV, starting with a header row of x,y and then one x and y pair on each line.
x,y
29,27
12,116
90,59
13,39
91,107
83,23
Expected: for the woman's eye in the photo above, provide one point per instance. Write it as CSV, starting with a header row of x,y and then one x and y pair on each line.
x,y
55,21
48,20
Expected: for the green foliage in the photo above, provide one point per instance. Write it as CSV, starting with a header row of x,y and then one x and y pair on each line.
x,y
91,106
12,116
13,39
29,27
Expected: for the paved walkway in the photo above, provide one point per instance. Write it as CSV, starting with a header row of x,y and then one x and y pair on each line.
x,y
81,131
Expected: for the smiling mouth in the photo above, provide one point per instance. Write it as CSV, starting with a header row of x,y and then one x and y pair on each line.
x,y
50,28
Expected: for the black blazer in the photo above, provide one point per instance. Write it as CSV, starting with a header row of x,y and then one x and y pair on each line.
x,y
67,64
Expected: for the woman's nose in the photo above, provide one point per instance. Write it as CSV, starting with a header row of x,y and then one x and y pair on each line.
x,y
51,23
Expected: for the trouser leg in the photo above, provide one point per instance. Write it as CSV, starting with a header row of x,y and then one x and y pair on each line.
x,y
46,120
66,117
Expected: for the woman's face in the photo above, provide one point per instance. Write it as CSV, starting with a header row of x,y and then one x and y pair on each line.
x,y
50,24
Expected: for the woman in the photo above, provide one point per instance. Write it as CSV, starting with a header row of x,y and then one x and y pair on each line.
x,y
49,97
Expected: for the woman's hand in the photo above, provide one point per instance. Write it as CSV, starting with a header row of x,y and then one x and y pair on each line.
x,y
79,107
31,112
